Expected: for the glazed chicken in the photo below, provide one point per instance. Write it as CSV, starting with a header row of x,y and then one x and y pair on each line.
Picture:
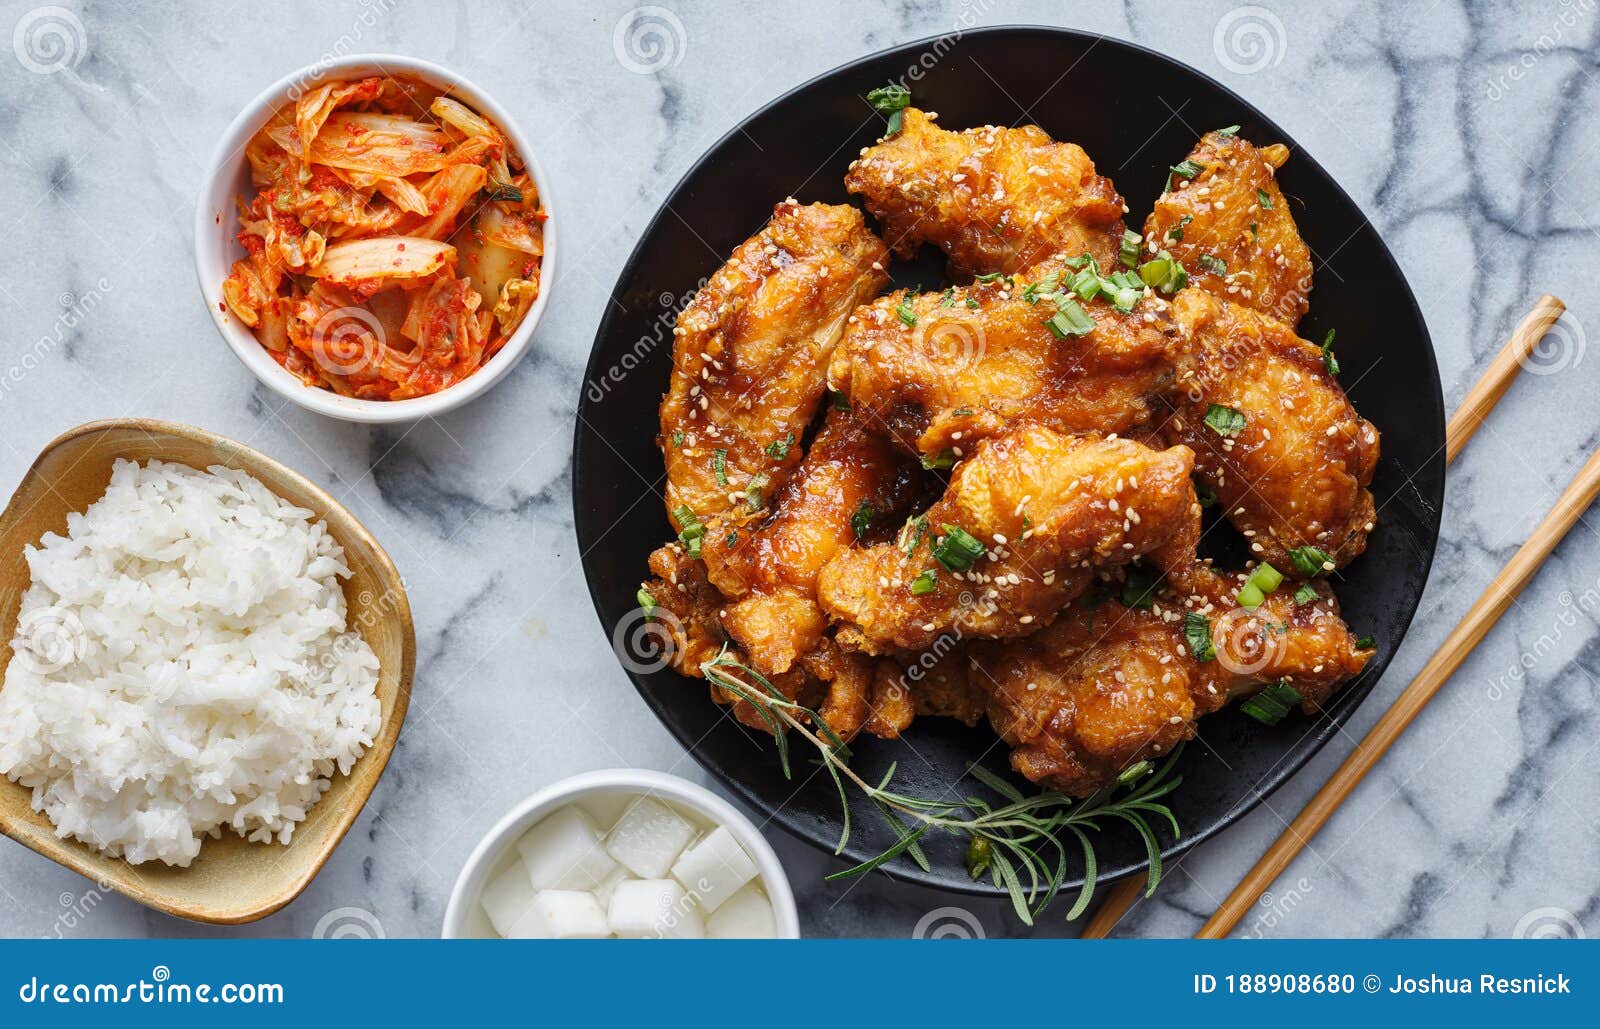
x,y
849,484
993,199
1274,436
750,354
938,372
1224,217
1015,536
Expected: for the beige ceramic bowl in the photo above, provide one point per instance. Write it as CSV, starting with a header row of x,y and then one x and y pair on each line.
x,y
231,881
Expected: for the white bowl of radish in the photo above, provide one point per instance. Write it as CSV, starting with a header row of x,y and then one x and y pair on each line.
x,y
624,853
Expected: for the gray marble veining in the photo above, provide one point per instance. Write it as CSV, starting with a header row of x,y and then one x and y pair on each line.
x,y
1467,132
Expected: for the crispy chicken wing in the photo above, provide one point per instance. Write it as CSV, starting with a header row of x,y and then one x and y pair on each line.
x,y
1230,226
938,372
849,485
993,199
1014,537
1108,685
1283,449
750,354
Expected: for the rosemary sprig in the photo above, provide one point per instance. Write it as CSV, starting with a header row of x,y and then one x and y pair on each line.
x,y
1020,841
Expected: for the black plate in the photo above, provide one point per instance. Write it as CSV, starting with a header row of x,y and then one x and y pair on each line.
x,y
1135,112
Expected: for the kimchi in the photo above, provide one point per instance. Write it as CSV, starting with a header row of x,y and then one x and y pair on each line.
x,y
393,243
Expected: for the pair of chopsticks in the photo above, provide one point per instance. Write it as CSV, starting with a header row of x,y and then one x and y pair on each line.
x,y
1472,629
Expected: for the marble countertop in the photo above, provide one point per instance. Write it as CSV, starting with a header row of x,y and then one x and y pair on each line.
x,y
1467,133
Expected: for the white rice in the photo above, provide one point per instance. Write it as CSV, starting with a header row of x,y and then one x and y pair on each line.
x,y
181,664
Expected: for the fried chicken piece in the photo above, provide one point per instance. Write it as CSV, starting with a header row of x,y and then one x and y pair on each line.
x,y
848,480
993,199
975,361
1098,690
1014,537
1230,226
750,353
1107,685
684,627
1294,475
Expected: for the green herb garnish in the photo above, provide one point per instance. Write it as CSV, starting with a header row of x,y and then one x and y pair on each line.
x,y
861,521
924,582
647,603
1129,251
719,465
690,531
1197,634
957,549
903,311
1213,264
778,449
1329,362
1310,560
890,100
1270,705
1263,200
1224,421
1025,839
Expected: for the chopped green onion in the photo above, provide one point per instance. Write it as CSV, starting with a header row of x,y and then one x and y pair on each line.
x,y
1077,262
919,532
1165,273
1225,421
1310,560
1263,580
948,298
1086,284
752,491
1069,320
971,302
1255,233
1205,494
963,412
1271,704
904,312
731,538
1305,594
925,582
861,521
1129,251
1213,264
1186,168
1126,300
647,603
778,449
1197,634
1329,362
957,549
1366,643
1138,770
841,402
1264,200
939,462
719,464
1231,130
692,531
677,439
990,277
1176,232
1138,589
886,99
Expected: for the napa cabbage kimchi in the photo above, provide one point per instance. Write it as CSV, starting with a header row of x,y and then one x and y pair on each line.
x,y
394,241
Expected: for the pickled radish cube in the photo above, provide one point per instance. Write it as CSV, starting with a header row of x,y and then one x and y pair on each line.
x,y
714,869
564,852
747,915
566,915
602,893
507,897
648,838
645,909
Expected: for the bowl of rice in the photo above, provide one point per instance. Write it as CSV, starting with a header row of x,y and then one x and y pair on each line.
x,y
207,663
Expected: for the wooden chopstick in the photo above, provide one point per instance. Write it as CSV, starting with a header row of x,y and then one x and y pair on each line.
x,y
1479,401
1479,620
1487,393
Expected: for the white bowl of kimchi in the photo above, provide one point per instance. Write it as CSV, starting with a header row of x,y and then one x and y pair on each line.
x,y
374,239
